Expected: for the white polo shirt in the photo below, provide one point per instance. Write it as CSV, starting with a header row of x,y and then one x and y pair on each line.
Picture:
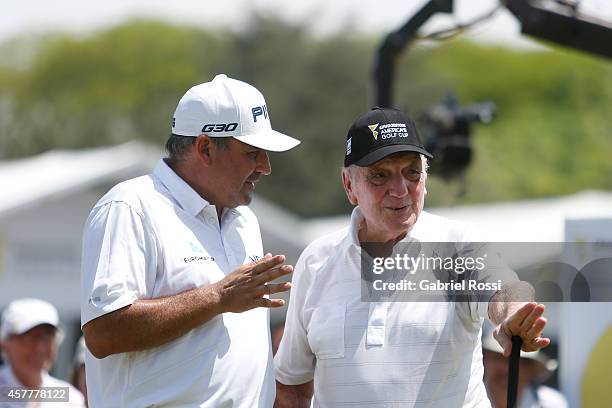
x,y
154,236
379,354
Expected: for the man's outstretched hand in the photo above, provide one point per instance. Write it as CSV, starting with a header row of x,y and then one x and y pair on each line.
x,y
247,286
527,322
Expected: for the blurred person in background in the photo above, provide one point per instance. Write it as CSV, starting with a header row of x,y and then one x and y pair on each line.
x,y
78,377
29,338
534,368
175,284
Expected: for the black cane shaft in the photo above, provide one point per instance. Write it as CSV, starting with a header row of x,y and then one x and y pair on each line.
x,y
513,371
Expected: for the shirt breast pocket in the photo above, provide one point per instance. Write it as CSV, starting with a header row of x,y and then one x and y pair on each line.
x,y
326,332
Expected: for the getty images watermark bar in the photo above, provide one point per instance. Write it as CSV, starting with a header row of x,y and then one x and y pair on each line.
x,y
413,271
42,394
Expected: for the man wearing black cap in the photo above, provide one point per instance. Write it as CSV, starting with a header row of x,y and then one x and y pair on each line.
x,y
350,351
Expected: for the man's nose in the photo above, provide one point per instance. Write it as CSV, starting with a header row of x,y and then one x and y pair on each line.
x,y
398,186
263,163
43,345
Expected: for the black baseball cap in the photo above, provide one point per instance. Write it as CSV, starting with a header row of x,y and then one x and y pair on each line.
x,y
378,133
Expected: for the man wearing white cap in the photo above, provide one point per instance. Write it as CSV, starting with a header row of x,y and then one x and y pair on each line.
x,y
29,339
174,279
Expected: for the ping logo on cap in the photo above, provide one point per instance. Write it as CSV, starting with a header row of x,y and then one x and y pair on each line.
x,y
258,111
348,146
373,130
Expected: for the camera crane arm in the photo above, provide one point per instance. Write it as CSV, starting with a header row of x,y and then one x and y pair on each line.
x,y
393,46
562,25
552,20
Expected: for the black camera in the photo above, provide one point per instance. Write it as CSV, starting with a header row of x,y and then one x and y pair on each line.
x,y
446,129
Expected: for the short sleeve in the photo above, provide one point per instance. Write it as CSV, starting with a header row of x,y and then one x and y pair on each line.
x,y
294,361
496,271
117,251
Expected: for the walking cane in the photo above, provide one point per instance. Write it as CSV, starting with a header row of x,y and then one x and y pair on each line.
x,y
513,371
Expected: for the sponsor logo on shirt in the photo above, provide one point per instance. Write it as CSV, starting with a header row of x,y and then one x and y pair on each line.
x,y
198,250
190,259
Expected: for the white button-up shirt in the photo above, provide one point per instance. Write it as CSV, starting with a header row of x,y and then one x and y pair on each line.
x,y
379,354
154,236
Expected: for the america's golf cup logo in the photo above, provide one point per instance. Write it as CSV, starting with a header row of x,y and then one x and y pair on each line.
x,y
374,131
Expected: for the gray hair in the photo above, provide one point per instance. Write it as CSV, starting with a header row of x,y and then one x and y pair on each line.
x,y
178,146
221,142
350,170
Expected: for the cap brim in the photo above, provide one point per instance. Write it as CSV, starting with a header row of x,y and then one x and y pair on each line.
x,y
270,140
385,151
25,326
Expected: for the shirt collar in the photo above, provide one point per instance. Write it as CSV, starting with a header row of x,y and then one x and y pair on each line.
x,y
355,224
187,197
7,377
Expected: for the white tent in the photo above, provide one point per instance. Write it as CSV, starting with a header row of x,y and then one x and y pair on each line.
x,y
539,220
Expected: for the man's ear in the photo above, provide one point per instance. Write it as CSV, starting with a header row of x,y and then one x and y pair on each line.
x,y
203,148
348,185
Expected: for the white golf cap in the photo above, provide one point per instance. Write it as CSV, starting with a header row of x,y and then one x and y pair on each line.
x,y
25,314
226,107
